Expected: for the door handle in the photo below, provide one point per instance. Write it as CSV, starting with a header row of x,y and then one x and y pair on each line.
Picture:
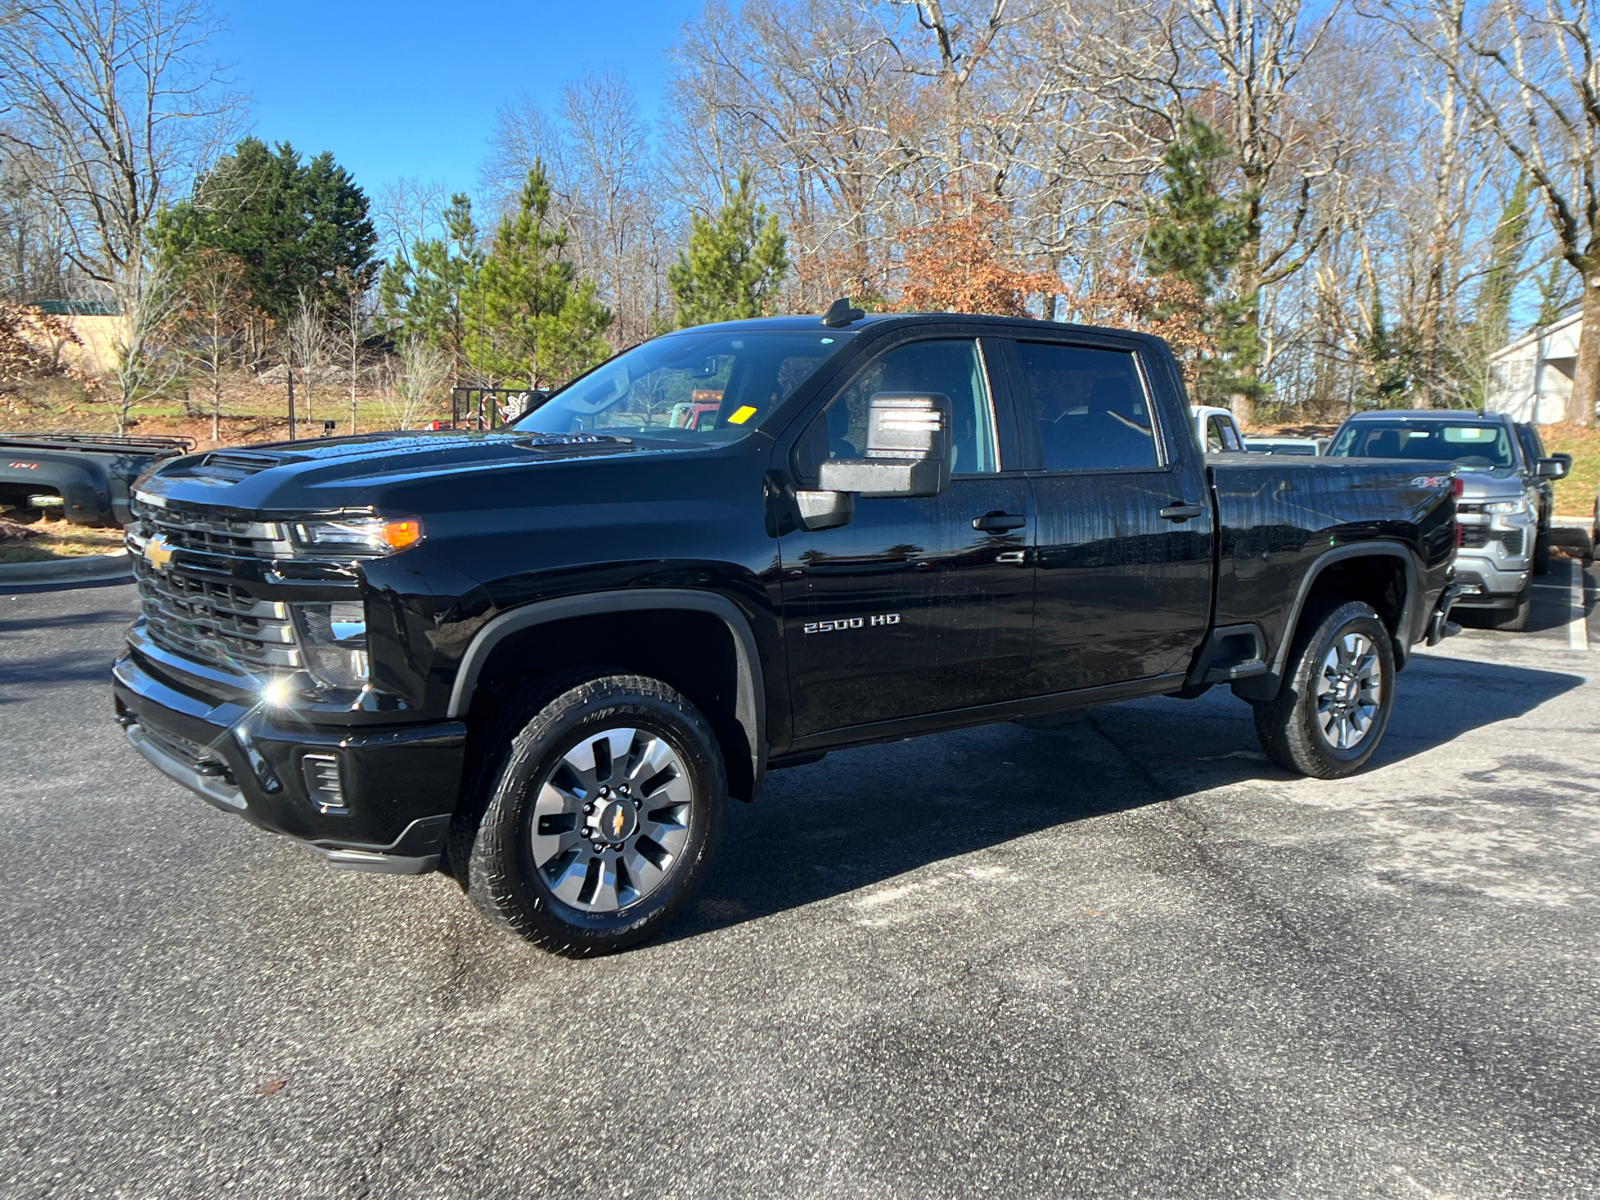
x,y
1181,510
999,522
1016,558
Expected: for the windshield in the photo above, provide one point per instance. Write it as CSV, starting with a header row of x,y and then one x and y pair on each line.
x,y
698,387
1466,445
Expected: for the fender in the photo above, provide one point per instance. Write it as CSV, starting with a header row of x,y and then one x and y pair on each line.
x,y
750,708
1265,687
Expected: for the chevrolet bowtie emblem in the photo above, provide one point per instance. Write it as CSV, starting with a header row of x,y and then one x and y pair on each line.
x,y
616,823
157,553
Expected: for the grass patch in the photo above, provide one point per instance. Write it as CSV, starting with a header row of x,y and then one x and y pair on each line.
x,y
56,540
1575,493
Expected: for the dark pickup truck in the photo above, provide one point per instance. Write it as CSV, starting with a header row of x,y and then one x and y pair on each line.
x,y
542,657
85,479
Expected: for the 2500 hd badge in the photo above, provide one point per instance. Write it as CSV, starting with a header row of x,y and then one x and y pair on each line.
x,y
845,623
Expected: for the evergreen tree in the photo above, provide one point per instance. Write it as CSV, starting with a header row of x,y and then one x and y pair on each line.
x,y
1491,326
1196,234
1387,362
529,317
297,227
423,289
733,264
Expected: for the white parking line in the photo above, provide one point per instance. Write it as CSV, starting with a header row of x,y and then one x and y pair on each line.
x,y
1578,626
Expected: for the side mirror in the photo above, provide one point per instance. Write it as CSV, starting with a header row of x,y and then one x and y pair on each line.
x,y
908,449
1552,468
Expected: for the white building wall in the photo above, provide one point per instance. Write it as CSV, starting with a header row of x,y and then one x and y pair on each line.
x,y
1532,377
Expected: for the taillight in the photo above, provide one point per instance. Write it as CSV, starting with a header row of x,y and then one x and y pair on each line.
x,y
1457,486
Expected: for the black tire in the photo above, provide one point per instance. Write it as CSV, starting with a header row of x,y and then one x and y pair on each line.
x,y
1541,552
504,878
1291,726
1515,619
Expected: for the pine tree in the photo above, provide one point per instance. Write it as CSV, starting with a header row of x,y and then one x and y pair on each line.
x,y
1491,327
297,227
423,289
529,317
1196,234
733,264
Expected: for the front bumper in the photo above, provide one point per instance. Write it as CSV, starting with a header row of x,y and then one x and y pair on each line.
x,y
1490,584
398,785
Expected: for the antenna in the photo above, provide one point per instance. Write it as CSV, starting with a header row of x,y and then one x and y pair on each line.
x,y
840,313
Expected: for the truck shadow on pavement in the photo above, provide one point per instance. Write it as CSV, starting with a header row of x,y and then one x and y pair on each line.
x,y
865,816
87,645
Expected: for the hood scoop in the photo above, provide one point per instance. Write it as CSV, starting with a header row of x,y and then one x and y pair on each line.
x,y
230,466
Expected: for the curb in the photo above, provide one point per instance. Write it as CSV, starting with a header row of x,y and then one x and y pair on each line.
x,y
70,570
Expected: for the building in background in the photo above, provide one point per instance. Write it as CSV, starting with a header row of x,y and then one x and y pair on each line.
x,y
97,324
1532,377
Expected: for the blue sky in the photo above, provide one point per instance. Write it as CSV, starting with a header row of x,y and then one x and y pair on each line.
x,y
406,88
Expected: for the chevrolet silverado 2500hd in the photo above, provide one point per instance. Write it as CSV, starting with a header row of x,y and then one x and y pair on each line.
x,y
540,658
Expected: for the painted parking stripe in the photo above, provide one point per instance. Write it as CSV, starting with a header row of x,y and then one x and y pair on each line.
x,y
1577,626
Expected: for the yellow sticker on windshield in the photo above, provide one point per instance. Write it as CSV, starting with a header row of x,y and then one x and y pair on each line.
x,y
742,415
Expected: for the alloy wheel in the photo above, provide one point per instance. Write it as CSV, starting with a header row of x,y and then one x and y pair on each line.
x,y
1349,691
611,818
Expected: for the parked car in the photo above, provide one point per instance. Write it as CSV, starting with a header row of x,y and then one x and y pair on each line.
x,y
1533,453
1499,503
83,478
541,657
1216,429
1293,447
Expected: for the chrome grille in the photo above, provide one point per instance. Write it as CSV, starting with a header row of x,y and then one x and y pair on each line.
x,y
189,610
210,541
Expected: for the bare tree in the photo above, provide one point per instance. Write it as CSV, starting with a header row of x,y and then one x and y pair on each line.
x,y
147,362
110,106
310,346
1528,69
415,381
215,309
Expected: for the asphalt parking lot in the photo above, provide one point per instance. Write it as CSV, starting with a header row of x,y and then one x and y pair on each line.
x,y
1127,958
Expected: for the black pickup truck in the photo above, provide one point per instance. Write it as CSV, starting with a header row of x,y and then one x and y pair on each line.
x,y
83,478
542,657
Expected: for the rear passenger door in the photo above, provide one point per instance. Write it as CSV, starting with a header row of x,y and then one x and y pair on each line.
x,y
1122,509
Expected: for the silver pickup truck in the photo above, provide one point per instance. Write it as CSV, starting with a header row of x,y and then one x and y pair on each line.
x,y
1499,506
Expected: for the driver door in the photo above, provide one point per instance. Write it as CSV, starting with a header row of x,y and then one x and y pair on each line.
x,y
920,604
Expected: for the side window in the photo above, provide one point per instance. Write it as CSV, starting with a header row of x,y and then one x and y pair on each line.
x,y
952,367
1532,449
1220,436
1090,405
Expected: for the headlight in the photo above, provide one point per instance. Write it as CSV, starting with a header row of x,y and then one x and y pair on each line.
x,y
359,535
1507,507
335,640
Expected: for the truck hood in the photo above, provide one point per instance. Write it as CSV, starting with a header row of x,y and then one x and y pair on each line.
x,y
331,472
1479,486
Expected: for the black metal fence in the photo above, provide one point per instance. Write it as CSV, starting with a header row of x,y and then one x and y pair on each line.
x,y
482,409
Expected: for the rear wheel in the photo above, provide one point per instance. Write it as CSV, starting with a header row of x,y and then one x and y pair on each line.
x,y
1334,705
602,820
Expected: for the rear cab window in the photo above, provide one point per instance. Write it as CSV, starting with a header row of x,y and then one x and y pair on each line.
x,y
1090,407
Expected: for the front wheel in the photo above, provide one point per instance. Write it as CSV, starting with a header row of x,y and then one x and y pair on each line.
x,y
1515,618
1335,701
603,818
